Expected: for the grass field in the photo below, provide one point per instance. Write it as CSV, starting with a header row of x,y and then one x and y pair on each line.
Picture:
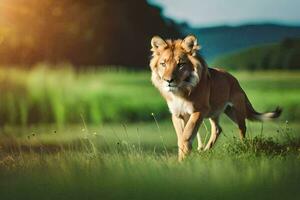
x,y
86,136
139,161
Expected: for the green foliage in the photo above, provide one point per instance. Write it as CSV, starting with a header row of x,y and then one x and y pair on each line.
x,y
284,56
63,96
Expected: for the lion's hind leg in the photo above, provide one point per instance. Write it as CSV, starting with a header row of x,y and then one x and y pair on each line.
x,y
237,113
215,132
200,143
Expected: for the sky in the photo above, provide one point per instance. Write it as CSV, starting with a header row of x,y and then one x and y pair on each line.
x,y
231,12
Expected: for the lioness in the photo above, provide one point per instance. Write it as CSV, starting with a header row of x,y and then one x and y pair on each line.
x,y
194,92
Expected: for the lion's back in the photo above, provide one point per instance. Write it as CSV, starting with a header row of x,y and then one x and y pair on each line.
x,y
223,86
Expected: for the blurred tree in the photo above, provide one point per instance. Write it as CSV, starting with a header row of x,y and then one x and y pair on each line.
x,y
83,32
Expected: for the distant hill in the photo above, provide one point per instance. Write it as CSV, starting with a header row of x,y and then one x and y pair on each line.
x,y
283,55
225,39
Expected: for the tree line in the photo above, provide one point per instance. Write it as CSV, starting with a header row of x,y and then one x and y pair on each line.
x,y
84,33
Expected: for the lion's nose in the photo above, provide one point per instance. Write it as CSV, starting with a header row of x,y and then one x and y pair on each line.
x,y
169,80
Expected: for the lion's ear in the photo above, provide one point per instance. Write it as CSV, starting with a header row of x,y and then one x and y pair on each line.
x,y
190,45
158,43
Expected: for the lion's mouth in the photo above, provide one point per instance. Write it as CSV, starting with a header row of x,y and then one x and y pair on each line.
x,y
171,88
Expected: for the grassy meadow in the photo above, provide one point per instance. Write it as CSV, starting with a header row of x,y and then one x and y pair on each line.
x,y
107,135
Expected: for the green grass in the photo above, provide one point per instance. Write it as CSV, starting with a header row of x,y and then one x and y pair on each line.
x,y
91,135
62,96
139,161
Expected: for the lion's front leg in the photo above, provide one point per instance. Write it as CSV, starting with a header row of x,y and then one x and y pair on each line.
x,y
189,132
178,124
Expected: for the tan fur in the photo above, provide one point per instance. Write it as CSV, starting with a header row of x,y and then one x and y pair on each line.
x,y
194,92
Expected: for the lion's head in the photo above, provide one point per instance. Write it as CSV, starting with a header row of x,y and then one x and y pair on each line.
x,y
175,65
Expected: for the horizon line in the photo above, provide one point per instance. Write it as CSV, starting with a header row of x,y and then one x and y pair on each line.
x,y
246,23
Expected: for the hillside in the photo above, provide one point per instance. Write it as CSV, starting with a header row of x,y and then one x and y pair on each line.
x,y
283,55
226,39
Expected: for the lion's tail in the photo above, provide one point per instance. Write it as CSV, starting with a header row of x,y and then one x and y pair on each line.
x,y
253,115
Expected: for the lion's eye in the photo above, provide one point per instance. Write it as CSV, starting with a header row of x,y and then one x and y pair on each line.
x,y
181,65
163,64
